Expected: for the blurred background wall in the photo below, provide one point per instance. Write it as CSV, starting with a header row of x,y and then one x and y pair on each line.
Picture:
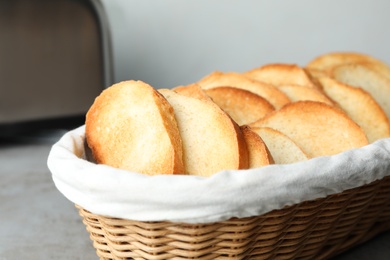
x,y
174,42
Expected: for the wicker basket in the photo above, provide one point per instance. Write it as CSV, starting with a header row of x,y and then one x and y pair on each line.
x,y
317,229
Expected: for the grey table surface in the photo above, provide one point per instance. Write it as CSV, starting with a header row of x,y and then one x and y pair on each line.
x,y
38,222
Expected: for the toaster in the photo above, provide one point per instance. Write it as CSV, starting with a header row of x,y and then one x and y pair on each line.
x,y
55,58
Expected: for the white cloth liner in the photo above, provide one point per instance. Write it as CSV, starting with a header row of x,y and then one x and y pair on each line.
x,y
118,193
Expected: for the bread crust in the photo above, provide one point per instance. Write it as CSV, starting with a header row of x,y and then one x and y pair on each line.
x,y
243,106
259,154
131,126
279,74
326,62
232,79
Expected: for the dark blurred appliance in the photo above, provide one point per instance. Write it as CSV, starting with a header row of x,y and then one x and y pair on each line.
x,y
55,58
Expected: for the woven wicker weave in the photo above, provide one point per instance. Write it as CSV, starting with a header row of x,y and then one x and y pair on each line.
x,y
317,229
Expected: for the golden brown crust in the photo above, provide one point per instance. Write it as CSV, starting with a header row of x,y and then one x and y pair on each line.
x,y
259,155
326,62
243,151
279,74
131,126
243,106
232,79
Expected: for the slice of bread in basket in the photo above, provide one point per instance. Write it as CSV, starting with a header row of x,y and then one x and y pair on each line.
x,y
212,141
243,106
365,76
279,74
360,106
259,154
319,129
131,126
232,79
326,62
283,150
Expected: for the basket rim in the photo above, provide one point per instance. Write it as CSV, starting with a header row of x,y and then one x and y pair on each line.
x,y
224,195
351,218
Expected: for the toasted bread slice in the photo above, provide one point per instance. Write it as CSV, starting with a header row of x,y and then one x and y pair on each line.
x,y
300,93
259,154
211,140
283,150
132,127
279,74
243,106
319,129
364,76
232,79
326,62
360,106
